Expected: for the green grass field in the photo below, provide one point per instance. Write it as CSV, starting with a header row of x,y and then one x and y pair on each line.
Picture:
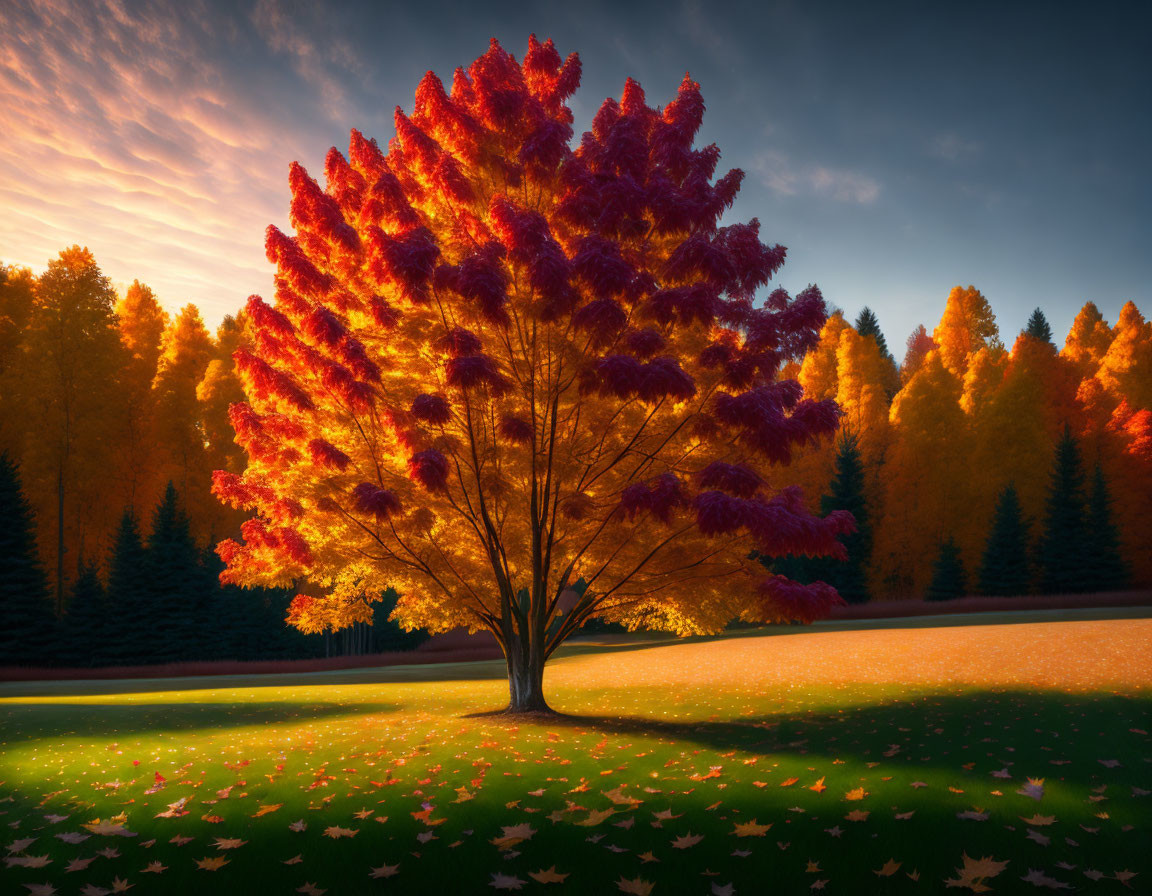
x,y
866,759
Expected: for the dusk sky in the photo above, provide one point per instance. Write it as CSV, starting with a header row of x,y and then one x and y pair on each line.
x,y
897,150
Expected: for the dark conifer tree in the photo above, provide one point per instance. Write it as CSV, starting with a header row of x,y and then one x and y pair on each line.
x,y
1038,327
846,492
385,635
868,325
86,622
128,639
27,624
949,580
1104,567
1060,557
179,590
1004,571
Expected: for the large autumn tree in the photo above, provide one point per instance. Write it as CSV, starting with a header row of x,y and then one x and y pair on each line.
x,y
499,367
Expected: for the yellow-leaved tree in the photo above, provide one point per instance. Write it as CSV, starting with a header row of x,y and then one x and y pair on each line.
x,y
966,326
142,323
527,385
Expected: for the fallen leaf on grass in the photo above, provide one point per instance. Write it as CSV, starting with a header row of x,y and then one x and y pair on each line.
x,y
687,840
1040,879
28,861
547,876
975,871
1034,788
512,835
751,829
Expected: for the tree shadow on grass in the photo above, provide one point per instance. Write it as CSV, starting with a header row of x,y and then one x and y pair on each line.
x,y
24,722
952,741
1036,725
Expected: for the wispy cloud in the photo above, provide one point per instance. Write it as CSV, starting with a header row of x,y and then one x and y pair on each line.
x,y
951,147
781,175
142,135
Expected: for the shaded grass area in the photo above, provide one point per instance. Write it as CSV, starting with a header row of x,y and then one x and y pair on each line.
x,y
616,790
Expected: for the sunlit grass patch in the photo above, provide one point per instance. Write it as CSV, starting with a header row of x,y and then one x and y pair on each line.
x,y
847,757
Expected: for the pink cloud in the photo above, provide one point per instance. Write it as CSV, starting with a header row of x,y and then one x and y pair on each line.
x,y
142,135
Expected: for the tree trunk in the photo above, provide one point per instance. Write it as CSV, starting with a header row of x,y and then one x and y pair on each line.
x,y
526,681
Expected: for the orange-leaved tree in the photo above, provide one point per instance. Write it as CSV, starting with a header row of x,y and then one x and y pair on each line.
x,y
525,384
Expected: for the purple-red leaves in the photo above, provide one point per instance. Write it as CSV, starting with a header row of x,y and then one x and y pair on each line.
x,y
515,429
602,319
431,408
315,210
578,307
323,326
480,277
528,240
325,454
659,497
459,342
265,317
779,525
805,603
735,479
626,377
645,343
684,304
752,264
378,502
284,252
599,264
430,469
266,380
772,419
406,261
472,371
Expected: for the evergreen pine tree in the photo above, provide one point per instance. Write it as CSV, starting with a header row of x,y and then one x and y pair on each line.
x,y
1061,550
1038,328
1004,570
86,621
27,631
846,492
868,325
1104,567
179,592
128,629
948,578
386,635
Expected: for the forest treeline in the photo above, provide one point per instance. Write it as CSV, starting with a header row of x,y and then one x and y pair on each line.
x,y
981,468
113,415
973,466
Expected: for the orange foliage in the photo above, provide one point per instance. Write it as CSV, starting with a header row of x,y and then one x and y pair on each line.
x,y
925,477
495,367
967,326
1088,340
